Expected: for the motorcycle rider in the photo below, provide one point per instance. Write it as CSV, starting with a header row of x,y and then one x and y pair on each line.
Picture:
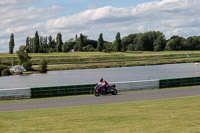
x,y
104,84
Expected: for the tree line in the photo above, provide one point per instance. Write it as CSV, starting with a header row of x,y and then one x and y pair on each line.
x,y
148,41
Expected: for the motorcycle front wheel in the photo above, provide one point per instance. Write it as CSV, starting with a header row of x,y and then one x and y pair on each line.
x,y
114,92
96,93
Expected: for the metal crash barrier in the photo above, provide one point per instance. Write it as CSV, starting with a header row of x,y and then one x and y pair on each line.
x,y
136,85
50,91
179,82
13,94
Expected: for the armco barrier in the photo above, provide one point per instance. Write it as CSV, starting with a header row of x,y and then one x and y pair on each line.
x,y
50,91
136,85
179,82
38,92
12,94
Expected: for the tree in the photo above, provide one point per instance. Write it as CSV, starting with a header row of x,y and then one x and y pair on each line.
x,y
159,43
65,47
80,42
124,46
28,45
45,45
193,43
24,58
11,43
36,43
175,43
140,45
31,44
41,44
68,45
129,42
118,42
100,43
59,42
51,44
190,44
131,47
108,47
170,45
76,38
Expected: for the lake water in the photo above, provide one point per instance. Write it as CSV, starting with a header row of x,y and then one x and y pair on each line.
x,y
90,76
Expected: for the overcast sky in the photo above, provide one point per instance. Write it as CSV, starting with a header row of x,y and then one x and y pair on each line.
x,y
92,17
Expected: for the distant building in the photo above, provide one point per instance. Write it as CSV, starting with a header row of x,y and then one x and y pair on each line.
x,y
72,50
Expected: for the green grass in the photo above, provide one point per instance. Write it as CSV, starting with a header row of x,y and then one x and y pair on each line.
x,y
103,54
122,64
77,60
143,58
162,116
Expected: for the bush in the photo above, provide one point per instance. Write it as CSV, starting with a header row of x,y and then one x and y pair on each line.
x,y
43,65
24,58
28,65
2,67
5,72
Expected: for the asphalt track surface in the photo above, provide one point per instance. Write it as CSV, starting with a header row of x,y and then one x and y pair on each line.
x,y
92,100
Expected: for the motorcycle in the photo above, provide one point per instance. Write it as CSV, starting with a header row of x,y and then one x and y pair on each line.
x,y
98,90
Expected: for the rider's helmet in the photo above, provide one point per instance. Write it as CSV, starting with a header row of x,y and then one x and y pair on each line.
x,y
101,79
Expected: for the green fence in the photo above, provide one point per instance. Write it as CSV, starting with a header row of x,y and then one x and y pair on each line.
x,y
38,92
178,82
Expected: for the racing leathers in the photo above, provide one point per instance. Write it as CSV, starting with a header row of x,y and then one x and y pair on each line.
x,y
104,85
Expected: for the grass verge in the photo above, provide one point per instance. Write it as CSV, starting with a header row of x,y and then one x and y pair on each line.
x,y
119,64
169,115
87,60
